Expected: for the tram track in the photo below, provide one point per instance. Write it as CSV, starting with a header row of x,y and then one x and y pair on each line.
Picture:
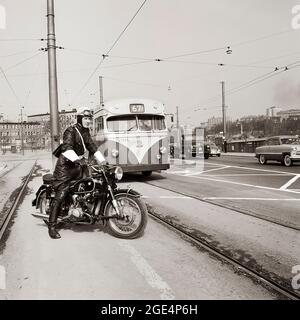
x,y
224,206
14,205
9,170
253,274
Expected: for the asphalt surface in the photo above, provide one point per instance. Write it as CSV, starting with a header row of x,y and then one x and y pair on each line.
x,y
270,192
88,263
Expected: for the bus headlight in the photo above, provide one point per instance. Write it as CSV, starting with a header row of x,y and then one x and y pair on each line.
x,y
158,156
162,150
118,173
114,153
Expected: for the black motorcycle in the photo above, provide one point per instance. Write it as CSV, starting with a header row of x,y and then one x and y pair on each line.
x,y
95,198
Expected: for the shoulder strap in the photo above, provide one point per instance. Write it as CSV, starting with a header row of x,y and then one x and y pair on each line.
x,y
81,139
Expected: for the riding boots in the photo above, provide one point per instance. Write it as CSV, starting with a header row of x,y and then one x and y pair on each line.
x,y
55,207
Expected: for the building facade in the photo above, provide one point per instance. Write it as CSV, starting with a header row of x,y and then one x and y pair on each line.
x,y
12,134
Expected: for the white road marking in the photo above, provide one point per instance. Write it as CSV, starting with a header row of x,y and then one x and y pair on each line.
x,y
167,197
2,278
204,171
246,175
257,169
290,182
176,172
262,199
241,184
152,278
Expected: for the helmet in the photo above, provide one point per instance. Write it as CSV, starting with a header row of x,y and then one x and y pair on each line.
x,y
84,112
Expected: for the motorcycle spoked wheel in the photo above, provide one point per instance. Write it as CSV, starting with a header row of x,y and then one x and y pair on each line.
x,y
135,221
44,206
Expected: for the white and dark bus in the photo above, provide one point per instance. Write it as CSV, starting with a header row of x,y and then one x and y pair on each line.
x,y
132,133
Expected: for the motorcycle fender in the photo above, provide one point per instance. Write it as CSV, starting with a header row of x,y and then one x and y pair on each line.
x,y
36,201
127,191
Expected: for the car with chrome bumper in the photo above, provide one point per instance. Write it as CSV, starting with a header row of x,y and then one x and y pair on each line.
x,y
211,150
284,149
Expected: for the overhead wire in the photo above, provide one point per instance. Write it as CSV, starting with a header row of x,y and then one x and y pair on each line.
x,y
111,48
255,81
135,82
21,39
16,53
23,61
10,86
32,83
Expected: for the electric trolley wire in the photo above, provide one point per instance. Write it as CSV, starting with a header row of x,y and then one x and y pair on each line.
x,y
137,83
111,48
17,53
254,81
10,86
126,64
23,61
21,39
33,82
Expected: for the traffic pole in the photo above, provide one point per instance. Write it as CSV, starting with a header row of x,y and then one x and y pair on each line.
x,y
53,94
223,109
101,90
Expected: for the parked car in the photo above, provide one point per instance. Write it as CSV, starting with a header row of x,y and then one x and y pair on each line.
x,y
211,150
285,149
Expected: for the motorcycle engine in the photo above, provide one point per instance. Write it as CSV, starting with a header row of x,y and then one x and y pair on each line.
x,y
75,212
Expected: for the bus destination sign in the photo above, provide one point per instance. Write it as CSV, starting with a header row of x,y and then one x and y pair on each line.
x,y
137,108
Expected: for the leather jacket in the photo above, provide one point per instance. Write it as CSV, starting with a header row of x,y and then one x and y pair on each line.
x,y
66,169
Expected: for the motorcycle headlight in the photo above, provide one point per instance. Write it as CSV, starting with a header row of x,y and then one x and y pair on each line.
x,y
118,173
114,153
162,150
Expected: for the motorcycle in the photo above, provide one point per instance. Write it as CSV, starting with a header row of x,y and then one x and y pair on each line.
x,y
95,198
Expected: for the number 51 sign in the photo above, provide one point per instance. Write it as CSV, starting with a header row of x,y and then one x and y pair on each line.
x,y
2,17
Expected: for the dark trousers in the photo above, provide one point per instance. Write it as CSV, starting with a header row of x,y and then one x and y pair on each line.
x,y
60,193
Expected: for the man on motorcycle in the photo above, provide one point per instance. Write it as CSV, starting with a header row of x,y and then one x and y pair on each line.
x,y
76,139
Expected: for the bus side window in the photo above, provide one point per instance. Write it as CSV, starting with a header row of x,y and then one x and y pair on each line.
x,y
99,124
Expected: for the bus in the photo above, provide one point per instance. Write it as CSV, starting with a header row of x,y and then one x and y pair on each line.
x,y
132,133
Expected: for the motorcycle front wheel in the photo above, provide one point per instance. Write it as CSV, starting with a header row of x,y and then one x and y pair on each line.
x,y
134,222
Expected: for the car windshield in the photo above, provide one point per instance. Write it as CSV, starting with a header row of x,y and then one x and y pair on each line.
x,y
122,123
290,141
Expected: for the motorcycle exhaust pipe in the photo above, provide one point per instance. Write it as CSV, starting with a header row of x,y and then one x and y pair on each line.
x,y
43,216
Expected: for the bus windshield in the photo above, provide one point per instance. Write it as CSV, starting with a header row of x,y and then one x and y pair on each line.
x,y
122,123
132,123
151,122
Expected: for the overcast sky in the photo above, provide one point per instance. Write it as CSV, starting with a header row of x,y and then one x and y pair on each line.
x,y
259,33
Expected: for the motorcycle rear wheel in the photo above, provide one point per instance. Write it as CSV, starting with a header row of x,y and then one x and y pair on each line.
x,y
136,217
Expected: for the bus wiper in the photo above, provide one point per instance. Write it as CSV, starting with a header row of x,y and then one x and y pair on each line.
x,y
131,128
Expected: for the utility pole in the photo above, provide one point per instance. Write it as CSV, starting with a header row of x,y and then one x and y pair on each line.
x,y
177,118
101,90
22,136
53,95
224,109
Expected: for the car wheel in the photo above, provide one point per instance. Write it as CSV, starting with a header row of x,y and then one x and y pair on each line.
x,y
219,155
206,156
287,161
262,159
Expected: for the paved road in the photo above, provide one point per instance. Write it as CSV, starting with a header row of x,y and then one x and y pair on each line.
x,y
87,263
271,192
